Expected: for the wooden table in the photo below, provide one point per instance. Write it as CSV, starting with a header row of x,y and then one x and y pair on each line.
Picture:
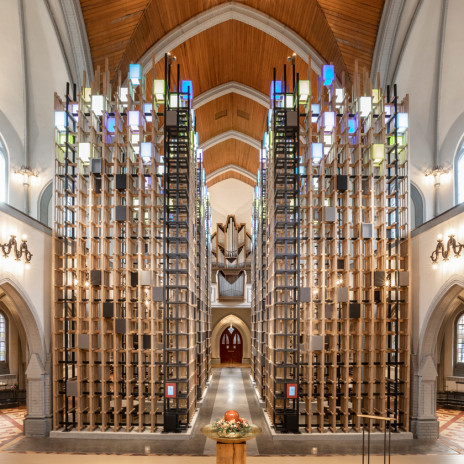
x,y
231,450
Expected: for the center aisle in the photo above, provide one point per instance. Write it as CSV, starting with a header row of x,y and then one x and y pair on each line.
x,y
230,394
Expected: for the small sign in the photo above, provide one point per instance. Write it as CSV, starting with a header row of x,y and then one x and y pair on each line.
x,y
170,390
292,390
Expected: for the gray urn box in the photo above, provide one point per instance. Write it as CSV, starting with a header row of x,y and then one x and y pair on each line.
x,y
292,119
342,294
328,310
120,326
341,182
366,231
121,182
108,309
83,341
96,165
317,342
157,294
98,185
120,213
134,279
71,388
329,213
340,264
354,311
98,277
403,278
379,278
145,277
305,295
171,118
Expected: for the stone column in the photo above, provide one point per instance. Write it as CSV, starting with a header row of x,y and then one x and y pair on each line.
x,y
38,421
425,424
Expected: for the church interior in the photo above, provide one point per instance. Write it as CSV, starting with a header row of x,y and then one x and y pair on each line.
x,y
231,231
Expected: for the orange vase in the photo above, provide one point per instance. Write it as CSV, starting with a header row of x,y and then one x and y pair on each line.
x,y
229,415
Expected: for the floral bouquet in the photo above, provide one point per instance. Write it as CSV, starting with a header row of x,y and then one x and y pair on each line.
x,y
231,428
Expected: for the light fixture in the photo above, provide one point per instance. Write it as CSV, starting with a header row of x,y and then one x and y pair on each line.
x,y
85,151
98,104
134,120
187,90
159,90
451,245
328,74
436,172
60,120
304,91
18,250
315,111
317,151
365,106
26,174
135,73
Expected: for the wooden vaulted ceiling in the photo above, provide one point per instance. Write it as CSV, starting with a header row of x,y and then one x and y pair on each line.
x,y
341,31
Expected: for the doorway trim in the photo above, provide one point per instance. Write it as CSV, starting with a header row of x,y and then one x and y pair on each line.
x,y
240,325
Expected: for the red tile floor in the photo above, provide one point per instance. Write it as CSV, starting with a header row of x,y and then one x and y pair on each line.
x,y
452,428
11,424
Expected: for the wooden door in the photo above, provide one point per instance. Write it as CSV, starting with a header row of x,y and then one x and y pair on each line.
x,y
231,346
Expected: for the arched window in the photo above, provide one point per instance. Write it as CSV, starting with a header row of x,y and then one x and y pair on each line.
x,y
417,207
460,340
459,175
3,173
3,340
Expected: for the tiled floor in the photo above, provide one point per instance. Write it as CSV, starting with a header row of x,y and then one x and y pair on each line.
x,y
229,387
11,424
452,428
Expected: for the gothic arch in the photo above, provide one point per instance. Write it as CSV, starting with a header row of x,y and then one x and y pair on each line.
x,y
38,367
221,326
424,365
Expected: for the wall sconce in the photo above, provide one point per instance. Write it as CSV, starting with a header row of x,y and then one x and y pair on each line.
x,y
18,251
440,249
26,174
436,172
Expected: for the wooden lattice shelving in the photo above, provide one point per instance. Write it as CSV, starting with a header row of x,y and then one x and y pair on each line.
x,y
114,295
353,292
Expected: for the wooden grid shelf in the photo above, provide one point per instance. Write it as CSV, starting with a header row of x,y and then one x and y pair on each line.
x,y
121,311
352,317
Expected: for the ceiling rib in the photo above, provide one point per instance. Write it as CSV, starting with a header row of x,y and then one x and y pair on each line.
x,y
231,134
227,12
230,167
231,87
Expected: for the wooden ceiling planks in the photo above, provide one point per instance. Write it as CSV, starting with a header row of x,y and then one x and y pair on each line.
x,y
231,51
341,31
230,175
305,17
234,152
110,27
355,25
242,114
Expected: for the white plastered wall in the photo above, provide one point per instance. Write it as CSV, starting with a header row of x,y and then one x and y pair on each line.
x,y
27,86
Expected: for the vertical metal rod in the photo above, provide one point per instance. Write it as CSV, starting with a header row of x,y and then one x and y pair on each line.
x,y
369,441
364,428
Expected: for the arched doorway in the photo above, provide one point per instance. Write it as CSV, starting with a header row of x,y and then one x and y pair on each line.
x,y
231,346
32,374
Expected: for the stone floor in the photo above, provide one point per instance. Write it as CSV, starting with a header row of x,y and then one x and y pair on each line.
x,y
452,428
229,388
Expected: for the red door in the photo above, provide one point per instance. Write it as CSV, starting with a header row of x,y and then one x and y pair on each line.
x,y
231,347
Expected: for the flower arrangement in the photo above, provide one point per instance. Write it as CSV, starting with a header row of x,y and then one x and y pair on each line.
x,y
231,428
